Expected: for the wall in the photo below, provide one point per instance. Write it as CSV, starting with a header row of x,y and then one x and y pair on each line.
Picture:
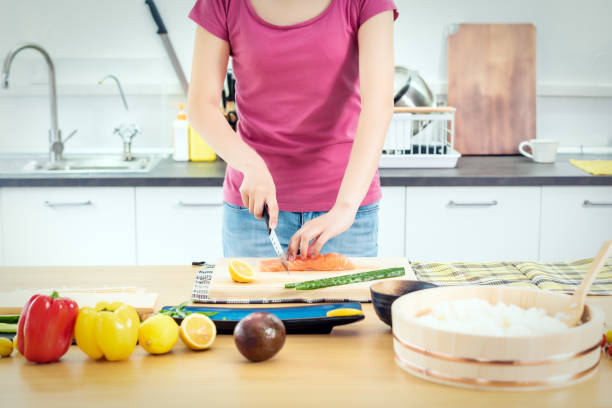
x,y
89,39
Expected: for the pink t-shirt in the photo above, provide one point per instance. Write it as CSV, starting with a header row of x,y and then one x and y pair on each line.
x,y
297,95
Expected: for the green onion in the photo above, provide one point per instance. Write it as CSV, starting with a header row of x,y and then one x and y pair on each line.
x,y
9,318
347,279
8,328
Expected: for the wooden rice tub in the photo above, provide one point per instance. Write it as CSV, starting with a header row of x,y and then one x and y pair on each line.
x,y
489,362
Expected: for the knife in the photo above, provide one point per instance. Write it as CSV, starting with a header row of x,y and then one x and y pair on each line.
x,y
274,240
163,34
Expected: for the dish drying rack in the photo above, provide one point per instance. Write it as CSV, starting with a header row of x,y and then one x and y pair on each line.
x,y
420,137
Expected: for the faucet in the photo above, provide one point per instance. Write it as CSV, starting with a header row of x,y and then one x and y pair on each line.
x,y
56,146
126,131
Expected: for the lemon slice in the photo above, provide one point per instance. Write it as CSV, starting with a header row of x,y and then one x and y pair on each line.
x,y
241,271
198,332
343,312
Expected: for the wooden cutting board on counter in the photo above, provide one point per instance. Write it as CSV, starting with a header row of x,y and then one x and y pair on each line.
x,y
492,83
143,302
270,285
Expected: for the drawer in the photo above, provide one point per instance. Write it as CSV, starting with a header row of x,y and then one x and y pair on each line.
x,y
176,225
68,226
391,222
575,221
472,223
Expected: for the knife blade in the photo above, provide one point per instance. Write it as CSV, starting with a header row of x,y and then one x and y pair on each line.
x,y
274,240
163,34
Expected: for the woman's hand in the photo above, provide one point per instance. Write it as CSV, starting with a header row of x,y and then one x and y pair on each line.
x,y
257,189
320,230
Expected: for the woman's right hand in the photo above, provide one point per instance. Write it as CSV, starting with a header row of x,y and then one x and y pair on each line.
x,y
257,189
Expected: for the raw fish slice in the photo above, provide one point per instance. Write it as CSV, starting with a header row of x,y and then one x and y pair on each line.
x,y
327,262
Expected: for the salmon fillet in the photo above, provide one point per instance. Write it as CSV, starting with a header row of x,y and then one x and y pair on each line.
x,y
327,262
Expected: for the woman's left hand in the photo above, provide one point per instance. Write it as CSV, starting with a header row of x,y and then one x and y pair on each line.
x,y
320,230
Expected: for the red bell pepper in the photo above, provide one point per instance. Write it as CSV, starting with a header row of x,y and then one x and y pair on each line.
x,y
46,327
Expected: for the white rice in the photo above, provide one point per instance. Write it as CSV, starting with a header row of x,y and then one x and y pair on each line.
x,y
476,316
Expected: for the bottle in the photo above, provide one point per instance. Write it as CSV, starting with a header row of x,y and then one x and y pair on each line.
x,y
180,135
198,149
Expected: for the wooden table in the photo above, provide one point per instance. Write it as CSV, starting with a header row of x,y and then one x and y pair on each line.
x,y
353,366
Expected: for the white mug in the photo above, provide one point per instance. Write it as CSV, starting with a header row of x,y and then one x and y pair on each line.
x,y
542,150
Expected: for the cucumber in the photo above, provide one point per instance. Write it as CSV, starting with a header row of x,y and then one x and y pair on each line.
x,y
9,318
346,279
8,328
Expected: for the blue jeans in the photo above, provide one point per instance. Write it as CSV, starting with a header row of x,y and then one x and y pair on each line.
x,y
246,236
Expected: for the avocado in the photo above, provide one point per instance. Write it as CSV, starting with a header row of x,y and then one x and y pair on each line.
x,y
259,336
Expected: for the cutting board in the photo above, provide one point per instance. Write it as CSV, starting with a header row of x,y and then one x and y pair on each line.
x,y
492,83
143,302
270,285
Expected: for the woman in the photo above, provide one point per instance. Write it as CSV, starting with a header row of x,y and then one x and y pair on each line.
x,y
314,93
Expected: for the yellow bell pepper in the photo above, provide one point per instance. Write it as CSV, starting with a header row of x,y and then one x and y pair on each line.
x,y
107,330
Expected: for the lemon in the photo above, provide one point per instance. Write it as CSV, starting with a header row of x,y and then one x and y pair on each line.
x,y
6,347
343,312
241,271
198,332
158,334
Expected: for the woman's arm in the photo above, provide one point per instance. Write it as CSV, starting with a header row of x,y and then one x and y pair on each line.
x,y
375,38
209,68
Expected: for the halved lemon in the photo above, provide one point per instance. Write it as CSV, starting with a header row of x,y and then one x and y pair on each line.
x,y
241,271
197,331
344,312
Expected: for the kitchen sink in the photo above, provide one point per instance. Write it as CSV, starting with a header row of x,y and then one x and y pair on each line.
x,y
88,164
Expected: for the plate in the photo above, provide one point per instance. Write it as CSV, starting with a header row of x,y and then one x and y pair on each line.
x,y
310,319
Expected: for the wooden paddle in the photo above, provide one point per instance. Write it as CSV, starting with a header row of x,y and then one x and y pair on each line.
x,y
575,307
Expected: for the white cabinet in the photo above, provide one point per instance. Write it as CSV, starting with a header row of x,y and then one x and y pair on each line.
x,y
1,246
575,221
68,226
177,225
391,239
447,224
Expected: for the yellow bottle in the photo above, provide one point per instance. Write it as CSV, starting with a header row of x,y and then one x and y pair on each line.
x,y
198,149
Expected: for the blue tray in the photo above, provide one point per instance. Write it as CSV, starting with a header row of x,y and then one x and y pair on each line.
x,y
310,319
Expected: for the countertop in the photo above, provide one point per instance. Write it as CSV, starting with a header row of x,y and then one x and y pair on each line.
x,y
353,366
470,171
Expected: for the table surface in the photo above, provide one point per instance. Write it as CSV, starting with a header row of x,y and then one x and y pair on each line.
x,y
353,366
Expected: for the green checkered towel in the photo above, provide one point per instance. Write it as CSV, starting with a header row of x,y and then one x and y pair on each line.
x,y
556,276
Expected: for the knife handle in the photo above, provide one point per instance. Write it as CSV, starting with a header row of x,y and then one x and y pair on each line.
x,y
266,215
161,27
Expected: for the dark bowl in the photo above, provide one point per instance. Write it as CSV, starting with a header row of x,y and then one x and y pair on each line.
x,y
384,294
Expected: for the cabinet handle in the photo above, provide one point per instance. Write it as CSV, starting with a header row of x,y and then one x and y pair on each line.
x,y
53,204
588,203
194,204
492,203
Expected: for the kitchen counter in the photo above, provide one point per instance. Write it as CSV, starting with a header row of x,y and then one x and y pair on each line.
x,y
353,366
470,171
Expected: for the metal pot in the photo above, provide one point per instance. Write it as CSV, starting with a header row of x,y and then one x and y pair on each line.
x,y
410,89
